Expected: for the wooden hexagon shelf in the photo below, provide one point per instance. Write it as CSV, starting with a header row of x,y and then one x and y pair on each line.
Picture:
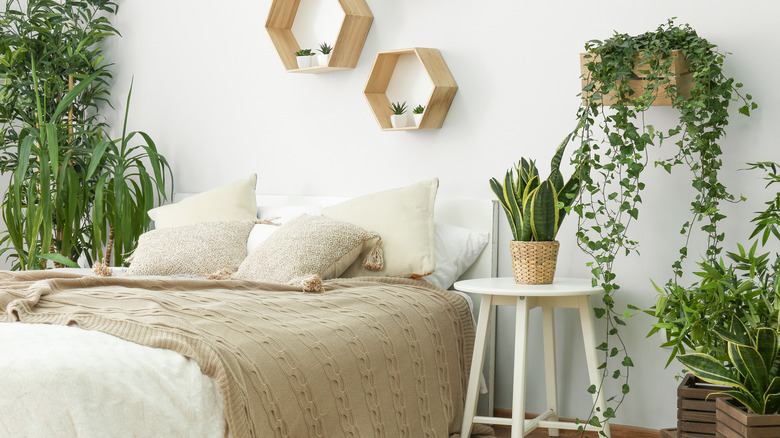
x,y
346,48
444,87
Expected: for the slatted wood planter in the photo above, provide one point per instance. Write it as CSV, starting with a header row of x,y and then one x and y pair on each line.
x,y
681,77
735,422
696,408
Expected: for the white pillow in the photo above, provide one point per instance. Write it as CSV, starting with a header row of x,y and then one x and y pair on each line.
x,y
234,201
404,219
456,250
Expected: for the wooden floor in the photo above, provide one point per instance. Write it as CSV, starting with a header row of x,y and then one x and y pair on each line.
x,y
503,432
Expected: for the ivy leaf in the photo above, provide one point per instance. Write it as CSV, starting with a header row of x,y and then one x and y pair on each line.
x,y
627,362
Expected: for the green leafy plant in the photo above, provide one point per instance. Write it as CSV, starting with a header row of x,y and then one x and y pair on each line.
x,y
614,150
398,108
304,52
325,48
125,191
748,288
534,208
753,370
54,79
418,109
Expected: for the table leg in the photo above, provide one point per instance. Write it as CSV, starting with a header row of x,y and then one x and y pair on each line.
x,y
589,338
548,330
518,388
477,361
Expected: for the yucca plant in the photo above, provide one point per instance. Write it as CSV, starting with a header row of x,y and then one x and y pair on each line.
x,y
398,108
125,191
753,374
534,208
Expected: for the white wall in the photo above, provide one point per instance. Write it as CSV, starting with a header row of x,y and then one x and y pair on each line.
x,y
211,90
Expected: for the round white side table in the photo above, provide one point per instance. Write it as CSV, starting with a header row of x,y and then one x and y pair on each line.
x,y
503,291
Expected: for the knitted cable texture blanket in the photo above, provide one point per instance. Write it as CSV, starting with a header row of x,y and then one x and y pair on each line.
x,y
381,357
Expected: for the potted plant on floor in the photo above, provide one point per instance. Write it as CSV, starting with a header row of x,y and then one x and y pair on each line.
x,y
535,210
398,116
752,375
324,56
694,318
417,113
303,57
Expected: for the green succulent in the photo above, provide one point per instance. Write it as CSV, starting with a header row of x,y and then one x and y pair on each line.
x,y
535,208
304,52
418,110
325,48
398,108
753,357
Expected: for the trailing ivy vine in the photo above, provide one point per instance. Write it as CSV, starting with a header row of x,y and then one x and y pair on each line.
x,y
614,150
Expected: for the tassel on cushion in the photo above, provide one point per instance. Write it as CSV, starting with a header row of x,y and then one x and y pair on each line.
x,y
222,274
102,270
312,284
374,261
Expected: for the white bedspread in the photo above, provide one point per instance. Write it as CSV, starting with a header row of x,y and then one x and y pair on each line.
x,y
60,381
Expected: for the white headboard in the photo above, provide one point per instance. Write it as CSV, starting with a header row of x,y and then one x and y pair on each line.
x,y
475,214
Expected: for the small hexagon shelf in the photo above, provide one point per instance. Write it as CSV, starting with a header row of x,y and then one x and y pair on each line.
x,y
444,87
346,48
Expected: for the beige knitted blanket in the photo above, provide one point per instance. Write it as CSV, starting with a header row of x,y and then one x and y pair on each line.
x,y
385,357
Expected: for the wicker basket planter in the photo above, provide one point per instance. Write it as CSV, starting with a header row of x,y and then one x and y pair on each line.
x,y
735,422
534,262
696,408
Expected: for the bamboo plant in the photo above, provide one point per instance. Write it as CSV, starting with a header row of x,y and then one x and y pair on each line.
x,y
54,86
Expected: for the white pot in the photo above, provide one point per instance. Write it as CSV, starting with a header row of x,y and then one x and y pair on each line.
x,y
398,120
303,61
417,119
322,60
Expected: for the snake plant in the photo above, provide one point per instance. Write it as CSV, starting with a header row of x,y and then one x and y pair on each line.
x,y
535,208
754,367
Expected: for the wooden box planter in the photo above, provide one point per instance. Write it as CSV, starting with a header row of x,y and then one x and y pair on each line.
x,y
682,77
735,422
696,408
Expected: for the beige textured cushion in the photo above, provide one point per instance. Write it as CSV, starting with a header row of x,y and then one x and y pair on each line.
x,y
198,249
234,201
306,246
404,219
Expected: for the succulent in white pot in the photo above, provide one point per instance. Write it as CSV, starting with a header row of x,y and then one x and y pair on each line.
x,y
417,113
398,117
303,57
324,57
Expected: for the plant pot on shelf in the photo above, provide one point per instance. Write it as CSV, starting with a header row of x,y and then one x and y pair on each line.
x,y
322,60
534,262
735,422
303,61
696,407
398,120
417,119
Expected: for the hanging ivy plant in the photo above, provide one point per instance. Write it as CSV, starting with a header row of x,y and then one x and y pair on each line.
x,y
615,148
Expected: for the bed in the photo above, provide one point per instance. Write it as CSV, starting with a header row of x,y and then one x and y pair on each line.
x,y
120,356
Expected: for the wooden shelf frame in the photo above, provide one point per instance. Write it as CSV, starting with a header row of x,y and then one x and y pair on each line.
x,y
347,47
682,77
444,87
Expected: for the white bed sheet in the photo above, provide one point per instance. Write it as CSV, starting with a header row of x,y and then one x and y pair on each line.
x,y
58,381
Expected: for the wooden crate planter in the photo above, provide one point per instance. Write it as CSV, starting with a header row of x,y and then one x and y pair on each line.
x,y
696,408
735,422
682,77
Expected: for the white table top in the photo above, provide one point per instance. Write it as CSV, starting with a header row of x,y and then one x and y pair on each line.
x,y
507,286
